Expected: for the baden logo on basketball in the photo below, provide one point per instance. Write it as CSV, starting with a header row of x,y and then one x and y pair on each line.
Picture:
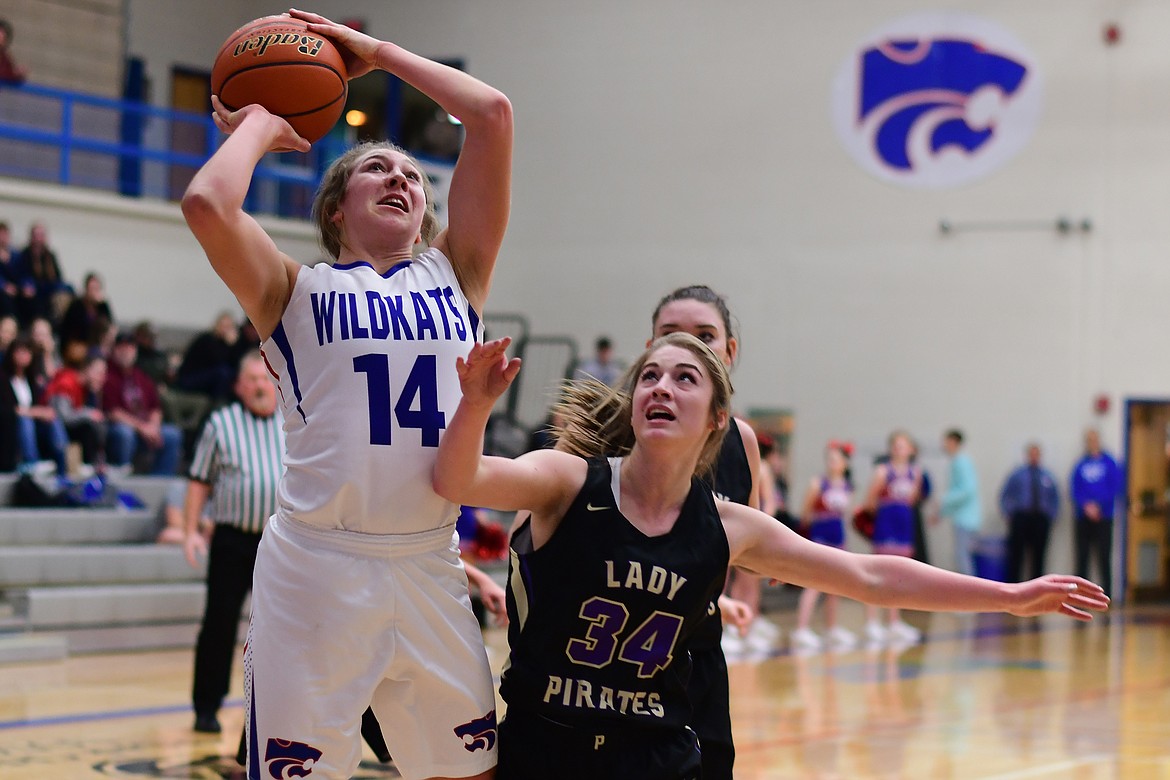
x,y
306,44
936,100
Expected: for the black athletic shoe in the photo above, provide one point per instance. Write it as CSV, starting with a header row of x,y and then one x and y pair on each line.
x,y
207,724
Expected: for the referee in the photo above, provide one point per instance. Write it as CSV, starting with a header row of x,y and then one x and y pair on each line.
x,y
237,465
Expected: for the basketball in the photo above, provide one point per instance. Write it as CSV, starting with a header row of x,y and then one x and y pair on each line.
x,y
276,62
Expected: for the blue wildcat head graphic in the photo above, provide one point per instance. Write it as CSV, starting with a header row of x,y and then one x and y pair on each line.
x,y
287,759
478,734
943,101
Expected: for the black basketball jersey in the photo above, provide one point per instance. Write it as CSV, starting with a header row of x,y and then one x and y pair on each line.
x,y
733,471
602,615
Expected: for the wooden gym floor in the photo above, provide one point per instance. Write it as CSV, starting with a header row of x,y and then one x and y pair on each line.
x,y
984,696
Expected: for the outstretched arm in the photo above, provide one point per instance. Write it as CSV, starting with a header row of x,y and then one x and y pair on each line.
x,y
539,480
480,193
763,545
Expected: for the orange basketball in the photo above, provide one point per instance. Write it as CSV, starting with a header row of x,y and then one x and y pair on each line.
x,y
275,61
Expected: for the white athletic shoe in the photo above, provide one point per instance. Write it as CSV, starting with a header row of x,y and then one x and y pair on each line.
x,y
732,643
842,638
806,639
875,633
762,636
904,632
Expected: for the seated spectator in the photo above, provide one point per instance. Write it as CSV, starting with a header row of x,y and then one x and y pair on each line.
x,y
10,274
248,341
38,428
46,356
174,530
10,71
210,362
43,283
134,414
106,333
86,314
75,393
9,330
154,362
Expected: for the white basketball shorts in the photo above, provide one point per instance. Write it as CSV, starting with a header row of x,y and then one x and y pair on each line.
x,y
341,621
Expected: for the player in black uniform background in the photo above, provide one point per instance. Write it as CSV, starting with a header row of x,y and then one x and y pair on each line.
x,y
703,313
616,566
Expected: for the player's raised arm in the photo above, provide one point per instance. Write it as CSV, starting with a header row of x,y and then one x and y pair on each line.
x,y
240,251
479,198
464,475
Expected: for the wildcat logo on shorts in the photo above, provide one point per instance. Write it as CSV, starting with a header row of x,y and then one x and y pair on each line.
x,y
479,734
935,100
287,759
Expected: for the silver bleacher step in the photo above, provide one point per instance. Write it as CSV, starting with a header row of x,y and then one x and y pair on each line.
x,y
77,526
16,648
108,639
109,605
116,563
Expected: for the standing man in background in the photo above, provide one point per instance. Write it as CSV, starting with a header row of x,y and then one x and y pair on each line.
x,y
961,501
1029,502
1096,483
603,366
237,465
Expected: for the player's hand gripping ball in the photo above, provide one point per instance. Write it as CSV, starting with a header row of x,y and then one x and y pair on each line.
x,y
296,74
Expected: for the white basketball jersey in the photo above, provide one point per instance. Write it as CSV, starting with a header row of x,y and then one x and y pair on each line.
x,y
365,365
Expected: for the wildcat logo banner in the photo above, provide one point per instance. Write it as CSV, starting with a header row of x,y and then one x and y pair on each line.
x,y
936,100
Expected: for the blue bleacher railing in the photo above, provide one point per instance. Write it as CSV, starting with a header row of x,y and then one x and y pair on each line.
x,y
135,149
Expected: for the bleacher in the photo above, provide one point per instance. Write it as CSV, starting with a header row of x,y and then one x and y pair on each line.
x,y
81,580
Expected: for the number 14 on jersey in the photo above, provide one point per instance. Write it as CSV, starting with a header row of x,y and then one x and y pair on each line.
x,y
418,399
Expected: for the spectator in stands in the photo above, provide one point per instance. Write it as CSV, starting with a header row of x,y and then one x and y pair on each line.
x,y
174,530
75,393
106,333
10,273
9,330
153,361
44,283
248,341
131,403
602,366
86,314
210,362
10,71
46,355
38,427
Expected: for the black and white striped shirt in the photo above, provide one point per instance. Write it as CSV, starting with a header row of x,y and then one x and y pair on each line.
x,y
240,456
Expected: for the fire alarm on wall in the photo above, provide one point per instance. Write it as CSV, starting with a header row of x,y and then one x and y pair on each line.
x,y
1101,404
1111,34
